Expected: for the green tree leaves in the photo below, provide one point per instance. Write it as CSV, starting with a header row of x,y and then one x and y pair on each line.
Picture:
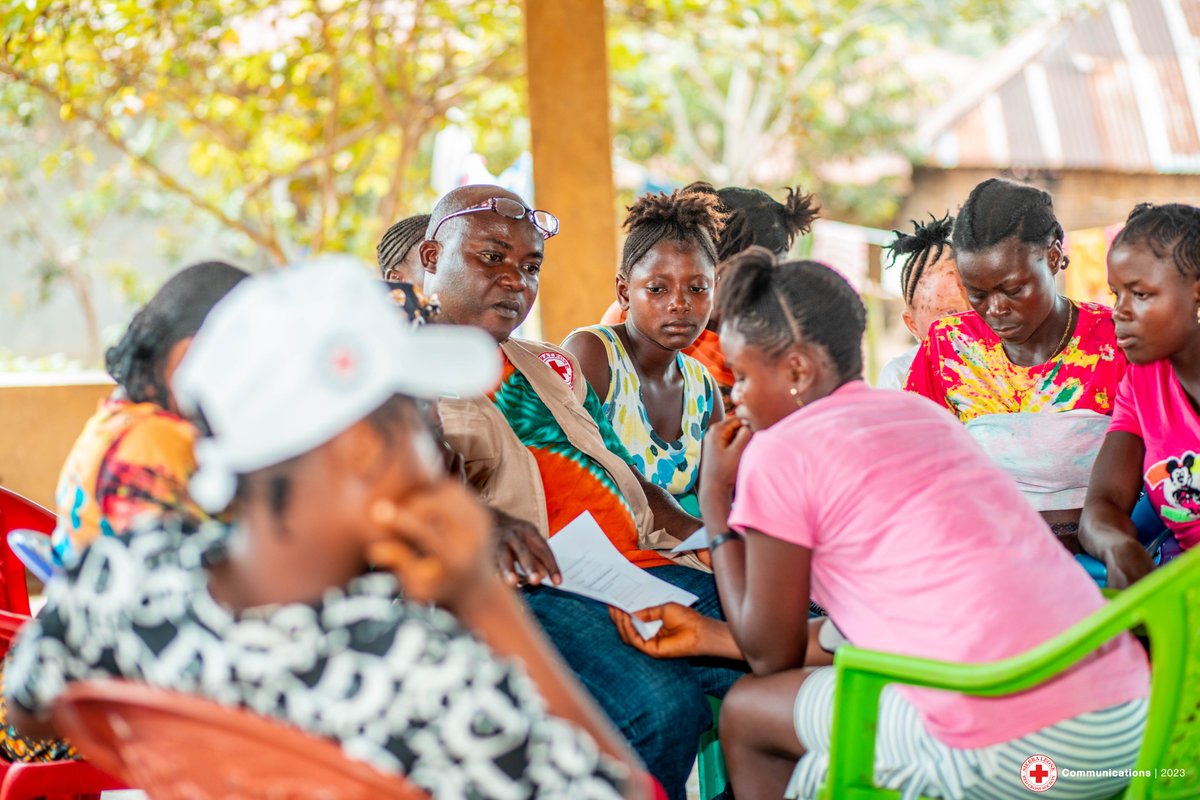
x,y
302,121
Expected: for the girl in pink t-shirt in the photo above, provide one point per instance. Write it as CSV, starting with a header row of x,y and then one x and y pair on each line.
x,y
1154,439
880,507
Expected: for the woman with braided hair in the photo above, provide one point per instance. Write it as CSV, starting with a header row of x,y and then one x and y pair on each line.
x,y
752,217
134,455
929,284
1022,351
1154,440
660,401
397,250
756,218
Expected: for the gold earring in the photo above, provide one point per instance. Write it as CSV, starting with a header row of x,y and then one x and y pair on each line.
x,y
796,397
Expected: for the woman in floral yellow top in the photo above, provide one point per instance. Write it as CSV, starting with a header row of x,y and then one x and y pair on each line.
x,y
1023,350
964,366
134,456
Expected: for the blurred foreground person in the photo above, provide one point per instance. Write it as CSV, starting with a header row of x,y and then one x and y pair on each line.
x,y
306,380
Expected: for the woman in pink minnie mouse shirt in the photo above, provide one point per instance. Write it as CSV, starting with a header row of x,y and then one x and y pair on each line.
x,y
1154,439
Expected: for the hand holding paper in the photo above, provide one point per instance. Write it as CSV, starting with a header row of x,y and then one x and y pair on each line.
x,y
593,568
685,633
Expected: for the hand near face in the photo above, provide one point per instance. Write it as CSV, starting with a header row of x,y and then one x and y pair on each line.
x,y
438,545
723,447
520,542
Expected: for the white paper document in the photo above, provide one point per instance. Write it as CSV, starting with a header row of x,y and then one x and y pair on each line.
x,y
592,567
697,541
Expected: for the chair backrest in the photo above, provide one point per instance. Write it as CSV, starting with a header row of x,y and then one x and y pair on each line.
x,y
1170,611
1165,604
179,747
10,623
18,512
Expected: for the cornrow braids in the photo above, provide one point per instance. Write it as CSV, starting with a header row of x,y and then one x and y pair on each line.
x,y
777,306
137,360
685,217
924,246
398,240
997,209
756,218
1171,230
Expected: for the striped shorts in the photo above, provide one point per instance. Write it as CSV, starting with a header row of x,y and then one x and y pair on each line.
x,y
910,760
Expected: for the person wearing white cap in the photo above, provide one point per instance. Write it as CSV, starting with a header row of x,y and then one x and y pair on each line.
x,y
305,380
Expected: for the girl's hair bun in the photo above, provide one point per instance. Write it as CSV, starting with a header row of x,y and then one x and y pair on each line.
x,y
799,212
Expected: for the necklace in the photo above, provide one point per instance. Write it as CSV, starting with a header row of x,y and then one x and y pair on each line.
x,y
1070,327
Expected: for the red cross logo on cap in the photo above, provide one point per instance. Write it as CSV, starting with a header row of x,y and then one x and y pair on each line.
x,y
344,362
341,362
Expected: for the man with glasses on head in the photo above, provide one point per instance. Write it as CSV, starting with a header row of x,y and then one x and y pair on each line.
x,y
541,452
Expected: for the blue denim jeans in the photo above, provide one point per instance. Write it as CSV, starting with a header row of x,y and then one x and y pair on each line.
x,y
657,704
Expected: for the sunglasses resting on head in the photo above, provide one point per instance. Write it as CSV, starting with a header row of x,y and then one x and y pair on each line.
x,y
545,222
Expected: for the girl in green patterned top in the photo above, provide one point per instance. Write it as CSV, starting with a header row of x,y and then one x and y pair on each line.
x,y
659,401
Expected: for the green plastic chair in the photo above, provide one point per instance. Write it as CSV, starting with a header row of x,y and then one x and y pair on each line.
x,y
1166,604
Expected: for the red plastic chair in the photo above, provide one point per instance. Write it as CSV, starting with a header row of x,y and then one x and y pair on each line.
x,y
179,747
10,623
59,780
18,512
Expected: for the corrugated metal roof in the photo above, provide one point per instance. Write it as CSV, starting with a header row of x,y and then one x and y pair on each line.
x,y
1117,89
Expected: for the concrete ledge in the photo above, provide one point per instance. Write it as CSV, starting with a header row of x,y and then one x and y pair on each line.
x,y
41,414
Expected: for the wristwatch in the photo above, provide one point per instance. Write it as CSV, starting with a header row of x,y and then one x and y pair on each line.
x,y
722,538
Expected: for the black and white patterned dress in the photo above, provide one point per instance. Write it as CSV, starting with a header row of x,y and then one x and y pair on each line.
x,y
401,686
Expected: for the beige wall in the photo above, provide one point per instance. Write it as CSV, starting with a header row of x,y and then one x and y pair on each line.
x,y
1082,199
38,425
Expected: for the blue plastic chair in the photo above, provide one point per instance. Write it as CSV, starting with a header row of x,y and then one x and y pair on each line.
x,y
1152,532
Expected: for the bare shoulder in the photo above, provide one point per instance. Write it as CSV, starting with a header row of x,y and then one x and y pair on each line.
x,y
589,351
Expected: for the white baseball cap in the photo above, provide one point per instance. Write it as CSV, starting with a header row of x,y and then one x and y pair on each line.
x,y
290,359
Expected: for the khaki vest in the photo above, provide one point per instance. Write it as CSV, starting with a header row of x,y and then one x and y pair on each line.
x,y
503,470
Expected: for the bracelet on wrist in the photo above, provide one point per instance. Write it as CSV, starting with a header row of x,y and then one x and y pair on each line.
x,y
722,538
